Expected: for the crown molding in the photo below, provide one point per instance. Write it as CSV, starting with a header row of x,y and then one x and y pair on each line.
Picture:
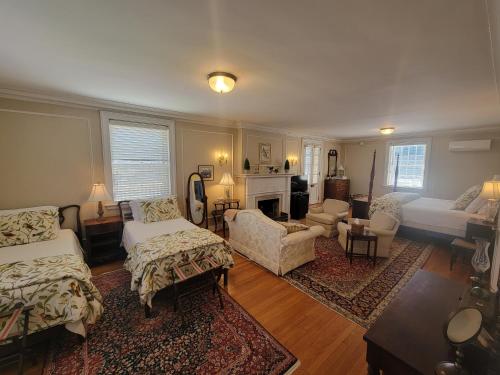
x,y
285,131
435,133
84,102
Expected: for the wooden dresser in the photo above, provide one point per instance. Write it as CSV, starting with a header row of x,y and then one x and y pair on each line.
x,y
337,188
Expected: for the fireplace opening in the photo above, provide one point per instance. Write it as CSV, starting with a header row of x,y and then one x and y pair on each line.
x,y
269,207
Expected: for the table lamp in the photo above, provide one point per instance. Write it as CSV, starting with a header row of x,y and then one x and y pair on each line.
x,y
227,182
491,191
99,194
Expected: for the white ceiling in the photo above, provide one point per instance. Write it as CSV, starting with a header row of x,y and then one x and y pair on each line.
x,y
341,68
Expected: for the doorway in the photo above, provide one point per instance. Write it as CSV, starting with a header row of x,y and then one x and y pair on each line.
x,y
312,170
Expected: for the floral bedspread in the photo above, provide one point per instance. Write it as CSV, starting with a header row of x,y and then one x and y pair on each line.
x,y
391,203
150,262
58,287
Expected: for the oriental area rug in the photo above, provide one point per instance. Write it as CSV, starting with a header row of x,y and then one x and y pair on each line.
x,y
207,340
360,291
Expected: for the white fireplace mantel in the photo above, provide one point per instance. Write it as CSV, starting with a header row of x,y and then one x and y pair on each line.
x,y
251,188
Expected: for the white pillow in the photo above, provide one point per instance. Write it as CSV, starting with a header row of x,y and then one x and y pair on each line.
x,y
137,211
476,205
57,226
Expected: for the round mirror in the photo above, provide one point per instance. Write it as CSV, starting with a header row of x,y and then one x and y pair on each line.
x,y
196,199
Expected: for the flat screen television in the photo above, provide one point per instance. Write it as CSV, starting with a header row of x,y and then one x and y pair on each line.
x,y
299,184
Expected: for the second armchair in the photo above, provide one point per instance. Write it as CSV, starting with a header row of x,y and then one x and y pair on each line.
x,y
328,215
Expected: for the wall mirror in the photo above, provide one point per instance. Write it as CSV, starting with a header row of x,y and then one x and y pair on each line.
x,y
196,200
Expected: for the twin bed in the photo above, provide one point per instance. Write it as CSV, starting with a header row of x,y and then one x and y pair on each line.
x,y
50,275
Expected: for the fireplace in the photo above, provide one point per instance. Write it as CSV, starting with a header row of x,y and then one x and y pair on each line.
x,y
269,207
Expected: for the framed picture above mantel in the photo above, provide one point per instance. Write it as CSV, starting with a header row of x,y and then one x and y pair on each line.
x,y
265,153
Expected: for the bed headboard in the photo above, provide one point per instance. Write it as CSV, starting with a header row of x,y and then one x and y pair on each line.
x,y
125,211
69,218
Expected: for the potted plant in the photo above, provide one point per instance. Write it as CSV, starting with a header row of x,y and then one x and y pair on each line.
x,y
287,166
246,165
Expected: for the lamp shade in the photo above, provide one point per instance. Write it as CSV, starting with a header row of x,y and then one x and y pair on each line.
x,y
99,193
226,179
491,190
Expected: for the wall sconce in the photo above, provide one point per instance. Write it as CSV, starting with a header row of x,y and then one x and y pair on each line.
x,y
222,157
292,160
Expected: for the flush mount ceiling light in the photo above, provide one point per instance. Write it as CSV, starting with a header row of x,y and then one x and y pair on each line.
x,y
221,82
386,131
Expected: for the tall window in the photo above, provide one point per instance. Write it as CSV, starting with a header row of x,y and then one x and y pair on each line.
x,y
412,164
311,163
138,159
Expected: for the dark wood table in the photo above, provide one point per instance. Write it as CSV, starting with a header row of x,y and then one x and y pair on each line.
x,y
367,237
408,337
221,205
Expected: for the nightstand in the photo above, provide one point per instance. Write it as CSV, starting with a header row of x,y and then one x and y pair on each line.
x,y
477,228
103,239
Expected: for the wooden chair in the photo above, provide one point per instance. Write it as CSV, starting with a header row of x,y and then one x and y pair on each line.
x,y
9,335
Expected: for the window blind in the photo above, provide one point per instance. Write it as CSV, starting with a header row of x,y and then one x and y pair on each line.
x,y
411,165
311,163
140,160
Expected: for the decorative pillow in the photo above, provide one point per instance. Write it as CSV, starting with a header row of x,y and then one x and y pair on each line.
x,y
27,227
466,198
386,204
476,205
160,209
57,226
294,227
137,211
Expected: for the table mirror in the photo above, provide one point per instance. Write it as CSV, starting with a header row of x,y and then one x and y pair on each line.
x,y
196,200
463,327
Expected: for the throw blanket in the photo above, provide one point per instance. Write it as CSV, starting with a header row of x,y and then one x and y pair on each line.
x,y
58,287
150,262
391,203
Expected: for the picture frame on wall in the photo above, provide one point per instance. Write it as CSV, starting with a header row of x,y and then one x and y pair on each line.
x,y
207,172
265,153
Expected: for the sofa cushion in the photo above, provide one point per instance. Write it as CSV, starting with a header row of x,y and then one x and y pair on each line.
x,y
322,218
381,220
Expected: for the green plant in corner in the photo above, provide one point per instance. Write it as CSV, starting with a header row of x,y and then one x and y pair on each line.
x,y
246,165
287,165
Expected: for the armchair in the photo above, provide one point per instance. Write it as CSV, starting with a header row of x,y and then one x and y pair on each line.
x,y
328,215
382,224
267,243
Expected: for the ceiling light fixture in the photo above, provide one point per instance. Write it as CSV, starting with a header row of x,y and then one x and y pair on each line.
x,y
386,131
221,82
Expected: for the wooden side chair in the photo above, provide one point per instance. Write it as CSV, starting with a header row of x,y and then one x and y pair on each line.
x,y
12,334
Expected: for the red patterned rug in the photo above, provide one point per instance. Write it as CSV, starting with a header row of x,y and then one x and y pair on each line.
x,y
210,341
359,291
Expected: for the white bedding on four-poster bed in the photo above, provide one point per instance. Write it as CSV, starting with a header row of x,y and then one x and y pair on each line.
x,y
435,215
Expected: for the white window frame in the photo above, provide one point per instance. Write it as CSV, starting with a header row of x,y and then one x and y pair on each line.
x,y
106,117
417,141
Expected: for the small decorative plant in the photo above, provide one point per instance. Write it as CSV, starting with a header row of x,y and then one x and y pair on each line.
x,y
246,165
287,165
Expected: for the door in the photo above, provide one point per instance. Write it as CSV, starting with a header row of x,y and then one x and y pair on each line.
x,y
312,170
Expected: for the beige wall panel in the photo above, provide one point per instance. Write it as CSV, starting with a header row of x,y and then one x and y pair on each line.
x,y
45,159
198,145
251,140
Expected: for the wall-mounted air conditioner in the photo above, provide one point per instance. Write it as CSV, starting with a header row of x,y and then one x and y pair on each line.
x,y
476,145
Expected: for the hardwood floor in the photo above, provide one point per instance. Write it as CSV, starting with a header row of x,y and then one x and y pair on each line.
x,y
324,341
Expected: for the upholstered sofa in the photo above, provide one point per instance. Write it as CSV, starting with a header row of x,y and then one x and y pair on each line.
x,y
383,225
328,215
267,243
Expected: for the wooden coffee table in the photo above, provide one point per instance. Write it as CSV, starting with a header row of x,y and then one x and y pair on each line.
x,y
366,236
